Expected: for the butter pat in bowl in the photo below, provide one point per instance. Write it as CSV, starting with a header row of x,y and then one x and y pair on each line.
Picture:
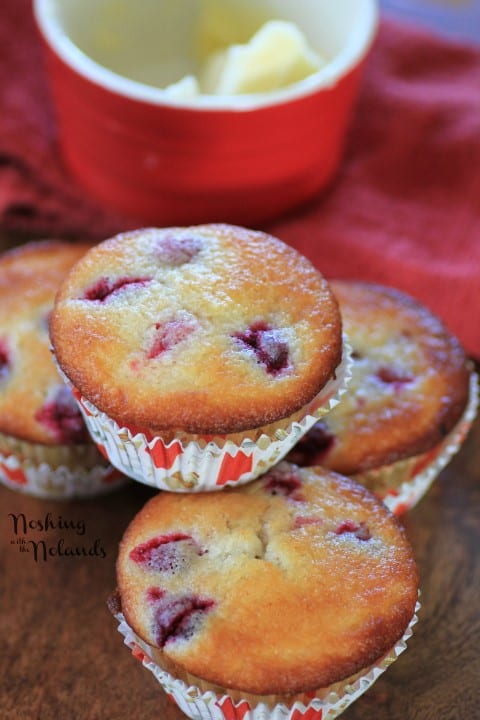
x,y
204,110
277,56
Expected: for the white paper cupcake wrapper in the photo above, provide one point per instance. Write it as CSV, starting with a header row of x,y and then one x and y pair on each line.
x,y
190,463
402,484
327,704
59,483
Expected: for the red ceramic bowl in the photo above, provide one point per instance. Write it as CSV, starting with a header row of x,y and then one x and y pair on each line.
x,y
242,159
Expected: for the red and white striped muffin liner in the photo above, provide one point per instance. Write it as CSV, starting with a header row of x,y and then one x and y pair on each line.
x,y
201,701
403,483
193,463
48,472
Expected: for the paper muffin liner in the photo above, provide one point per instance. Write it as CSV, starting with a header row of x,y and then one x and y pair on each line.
x,y
56,472
184,462
403,483
200,700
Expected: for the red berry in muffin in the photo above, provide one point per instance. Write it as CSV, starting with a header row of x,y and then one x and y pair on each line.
x,y
104,287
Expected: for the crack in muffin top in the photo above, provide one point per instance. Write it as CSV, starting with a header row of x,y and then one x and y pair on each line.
x,y
206,329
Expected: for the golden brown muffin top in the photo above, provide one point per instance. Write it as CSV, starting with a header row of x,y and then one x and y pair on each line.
x,y
208,329
409,384
293,582
35,405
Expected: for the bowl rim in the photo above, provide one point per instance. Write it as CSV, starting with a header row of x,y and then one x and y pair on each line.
x,y
327,77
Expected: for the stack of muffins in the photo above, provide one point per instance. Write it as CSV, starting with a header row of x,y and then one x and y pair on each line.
x,y
199,358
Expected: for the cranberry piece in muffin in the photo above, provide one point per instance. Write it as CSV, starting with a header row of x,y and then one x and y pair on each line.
x,y
394,376
284,481
314,447
173,250
360,530
104,288
170,333
4,359
268,345
176,617
167,553
61,417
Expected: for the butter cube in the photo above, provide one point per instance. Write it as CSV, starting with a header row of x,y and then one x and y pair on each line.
x,y
276,56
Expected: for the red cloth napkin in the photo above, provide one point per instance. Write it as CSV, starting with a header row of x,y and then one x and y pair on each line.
x,y
404,209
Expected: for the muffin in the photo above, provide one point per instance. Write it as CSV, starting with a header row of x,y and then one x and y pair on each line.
x,y
45,448
297,589
199,355
410,403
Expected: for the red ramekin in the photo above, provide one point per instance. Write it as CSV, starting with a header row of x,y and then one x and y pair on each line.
x,y
242,159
